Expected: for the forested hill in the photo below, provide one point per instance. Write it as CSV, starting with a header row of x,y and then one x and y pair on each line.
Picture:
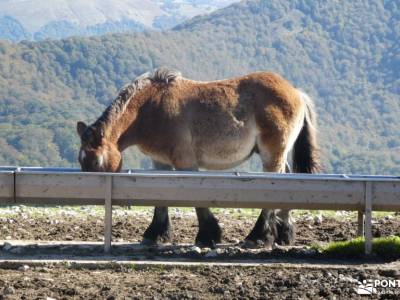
x,y
345,54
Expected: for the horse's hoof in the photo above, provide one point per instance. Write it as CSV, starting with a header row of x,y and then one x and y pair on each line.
x,y
250,244
286,241
149,243
206,244
286,235
208,239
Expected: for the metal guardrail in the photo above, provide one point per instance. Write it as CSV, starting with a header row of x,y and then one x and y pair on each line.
x,y
66,186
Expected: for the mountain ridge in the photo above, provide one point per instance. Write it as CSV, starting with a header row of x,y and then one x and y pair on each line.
x,y
41,19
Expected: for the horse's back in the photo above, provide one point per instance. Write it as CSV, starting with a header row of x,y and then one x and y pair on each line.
x,y
259,95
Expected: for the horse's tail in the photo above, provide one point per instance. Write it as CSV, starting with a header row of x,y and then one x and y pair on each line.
x,y
305,150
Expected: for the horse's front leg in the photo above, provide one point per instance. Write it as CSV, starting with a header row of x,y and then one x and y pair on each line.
x,y
160,228
210,232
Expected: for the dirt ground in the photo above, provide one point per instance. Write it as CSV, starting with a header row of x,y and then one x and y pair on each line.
x,y
201,282
128,226
183,283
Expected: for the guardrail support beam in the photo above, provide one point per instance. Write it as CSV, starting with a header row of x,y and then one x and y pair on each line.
x,y
368,218
108,214
360,221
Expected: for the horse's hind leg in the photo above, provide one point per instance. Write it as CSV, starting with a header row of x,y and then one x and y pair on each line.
x,y
264,231
272,225
159,229
285,225
285,228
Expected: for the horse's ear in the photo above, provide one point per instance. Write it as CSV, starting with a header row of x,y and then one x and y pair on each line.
x,y
80,128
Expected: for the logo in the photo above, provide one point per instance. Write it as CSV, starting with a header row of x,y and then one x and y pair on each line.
x,y
379,286
366,288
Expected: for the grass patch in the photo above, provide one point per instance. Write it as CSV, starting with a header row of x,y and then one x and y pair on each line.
x,y
387,248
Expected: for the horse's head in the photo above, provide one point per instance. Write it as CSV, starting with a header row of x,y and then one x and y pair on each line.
x,y
97,154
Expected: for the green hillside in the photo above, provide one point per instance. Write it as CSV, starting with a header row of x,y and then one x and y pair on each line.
x,y
346,55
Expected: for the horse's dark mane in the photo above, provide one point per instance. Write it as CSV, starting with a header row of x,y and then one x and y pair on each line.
x,y
164,75
118,106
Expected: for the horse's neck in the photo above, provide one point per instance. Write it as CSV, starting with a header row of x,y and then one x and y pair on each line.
x,y
121,131
126,137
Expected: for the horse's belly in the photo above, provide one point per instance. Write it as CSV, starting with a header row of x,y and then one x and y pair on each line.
x,y
226,151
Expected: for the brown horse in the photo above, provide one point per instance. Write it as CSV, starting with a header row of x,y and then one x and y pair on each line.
x,y
187,125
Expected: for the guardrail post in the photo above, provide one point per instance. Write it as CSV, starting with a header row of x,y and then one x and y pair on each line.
x,y
18,169
368,218
108,214
360,221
